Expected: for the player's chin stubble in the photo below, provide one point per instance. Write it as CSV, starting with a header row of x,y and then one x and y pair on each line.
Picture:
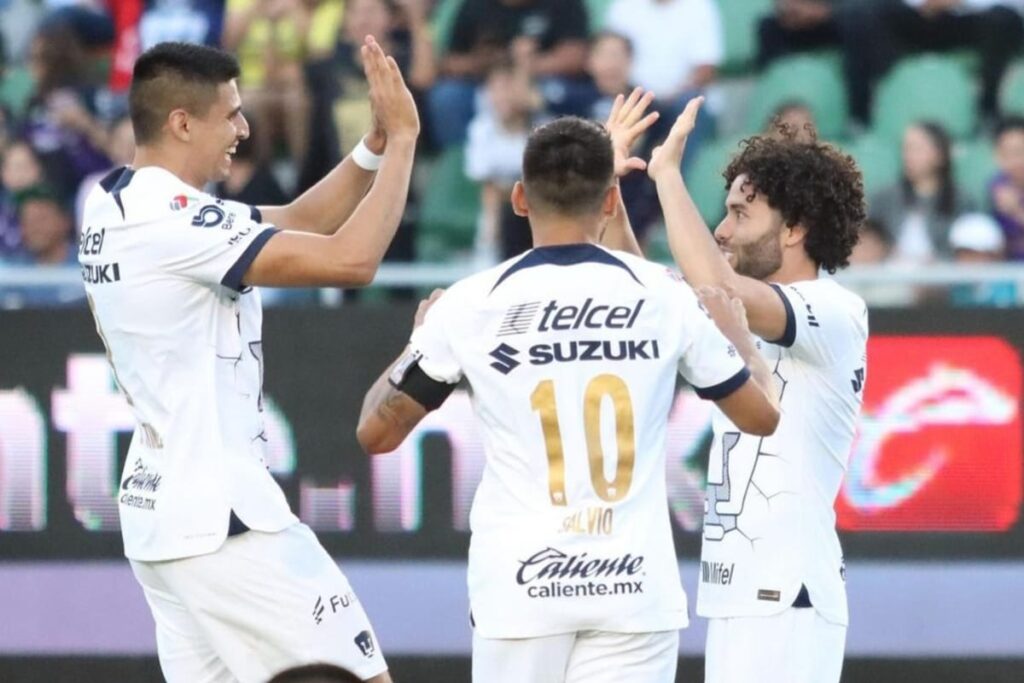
x,y
760,258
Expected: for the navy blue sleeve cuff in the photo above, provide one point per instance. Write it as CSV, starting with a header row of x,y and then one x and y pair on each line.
x,y
726,388
789,334
255,214
233,278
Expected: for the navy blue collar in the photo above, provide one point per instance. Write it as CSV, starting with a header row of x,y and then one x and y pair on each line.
x,y
565,255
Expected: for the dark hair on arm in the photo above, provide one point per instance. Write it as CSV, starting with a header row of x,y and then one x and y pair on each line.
x,y
173,76
568,166
810,183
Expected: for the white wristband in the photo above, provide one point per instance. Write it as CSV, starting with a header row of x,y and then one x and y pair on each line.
x,y
364,158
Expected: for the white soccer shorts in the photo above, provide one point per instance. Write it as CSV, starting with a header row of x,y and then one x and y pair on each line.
x,y
584,657
795,646
260,604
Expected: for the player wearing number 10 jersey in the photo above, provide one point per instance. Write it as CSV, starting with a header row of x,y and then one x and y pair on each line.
x,y
571,352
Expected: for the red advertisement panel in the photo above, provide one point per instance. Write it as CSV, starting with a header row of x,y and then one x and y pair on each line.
x,y
939,445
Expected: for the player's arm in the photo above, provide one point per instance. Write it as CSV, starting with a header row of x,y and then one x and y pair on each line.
x,y
754,406
350,256
626,124
404,393
693,246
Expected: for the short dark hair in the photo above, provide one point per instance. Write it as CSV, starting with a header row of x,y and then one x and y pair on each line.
x,y
316,673
1010,124
568,166
173,76
810,183
613,35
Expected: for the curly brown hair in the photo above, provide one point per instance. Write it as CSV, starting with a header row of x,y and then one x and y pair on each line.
x,y
812,184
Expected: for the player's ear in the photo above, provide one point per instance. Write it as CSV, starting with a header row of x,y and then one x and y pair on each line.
x,y
178,123
794,235
610,205
519,203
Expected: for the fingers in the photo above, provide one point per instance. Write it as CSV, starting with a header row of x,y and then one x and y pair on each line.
x,y
639,107
616,108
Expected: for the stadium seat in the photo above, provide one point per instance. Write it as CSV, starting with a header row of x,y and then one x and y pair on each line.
x,y
442,23
704,178
973,168
449,210
597,9
878,159
815,81
15,89
1011,96
926,88
739,21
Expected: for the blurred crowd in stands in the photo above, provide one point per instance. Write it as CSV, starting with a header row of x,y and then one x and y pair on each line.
x,y
927,95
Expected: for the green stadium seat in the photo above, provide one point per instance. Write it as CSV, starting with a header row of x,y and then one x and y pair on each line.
x,y
704,178
926,88
878,159
597,10
973,167
814,81
739,21
449,209
442,23
15,89
1011,97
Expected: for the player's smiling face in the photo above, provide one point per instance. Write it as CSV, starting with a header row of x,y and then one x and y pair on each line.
x,y
216,135
750,235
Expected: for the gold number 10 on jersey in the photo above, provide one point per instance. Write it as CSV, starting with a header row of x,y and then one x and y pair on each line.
x,y
543,401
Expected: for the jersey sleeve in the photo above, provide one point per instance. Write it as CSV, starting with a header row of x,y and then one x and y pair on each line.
x,y
218,244
823,324
430,345
711,364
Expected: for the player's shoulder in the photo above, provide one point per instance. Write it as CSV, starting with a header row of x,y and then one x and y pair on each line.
x,y
828,292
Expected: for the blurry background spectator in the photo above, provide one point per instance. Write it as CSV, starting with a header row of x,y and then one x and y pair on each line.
x,y
977,239
61,121
189,21
873,246
120,149
20,169
1006,191
918,210
494,158
678,46
250,181
549,37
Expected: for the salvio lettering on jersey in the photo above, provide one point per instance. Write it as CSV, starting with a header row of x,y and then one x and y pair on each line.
x,y
717,572
550,573
584,350
98,274
588,316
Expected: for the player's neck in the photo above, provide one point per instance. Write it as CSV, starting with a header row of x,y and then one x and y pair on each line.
x,y
552,232
174,163
795,270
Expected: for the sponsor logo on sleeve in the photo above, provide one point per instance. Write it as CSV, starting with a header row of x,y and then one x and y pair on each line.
x,y
209,216
364,641
335,603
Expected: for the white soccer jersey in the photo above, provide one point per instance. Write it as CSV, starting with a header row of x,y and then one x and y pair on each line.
x,y
571,353
162,264
769,523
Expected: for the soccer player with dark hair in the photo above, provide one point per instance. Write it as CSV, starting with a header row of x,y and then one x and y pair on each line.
x,y
772,573
572,352
238,587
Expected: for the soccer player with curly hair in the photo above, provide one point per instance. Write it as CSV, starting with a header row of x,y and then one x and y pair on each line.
x,y
772,576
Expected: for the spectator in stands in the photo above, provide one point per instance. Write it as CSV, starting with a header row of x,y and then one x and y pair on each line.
x,y
250,181
120,150
189,21
795,116
873,245
61,122
977,239
678,45
991,27
315,673
494,158
1006,191
270,38
550,36
21,169
919,209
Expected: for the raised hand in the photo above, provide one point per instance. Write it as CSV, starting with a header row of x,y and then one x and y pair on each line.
x,y
728,313
667,157
625,125
394,111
